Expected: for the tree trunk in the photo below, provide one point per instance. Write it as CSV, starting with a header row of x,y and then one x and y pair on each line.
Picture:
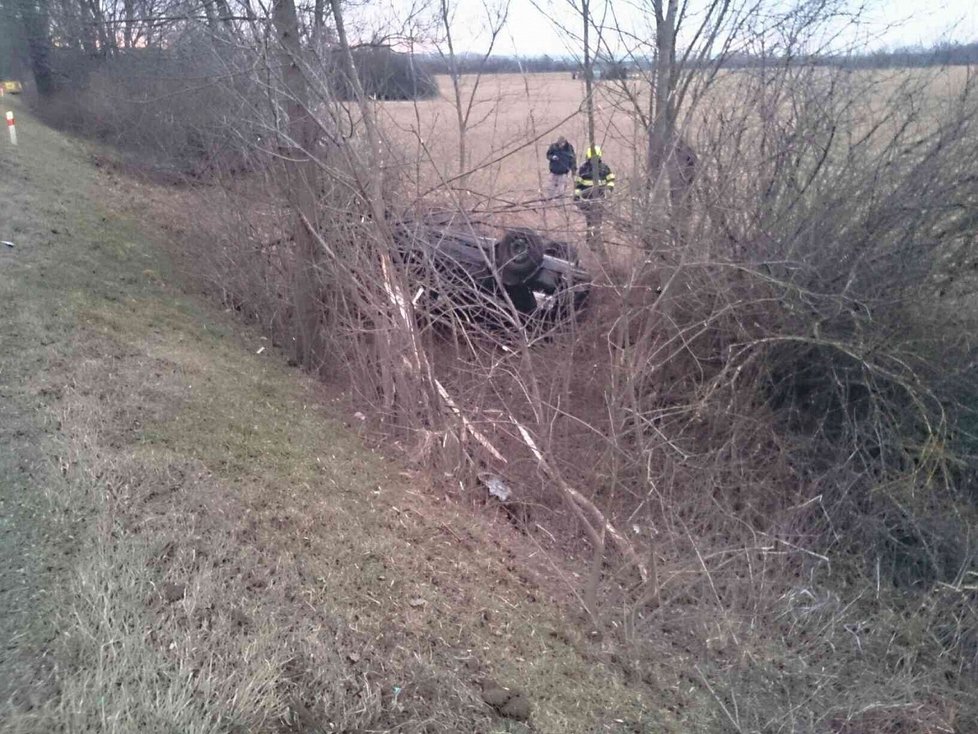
x,y
588,73
662,133
34,16
70,22
106,40
81,19
224,15
456,89
408,377
211,12
129,23
301,184
593,214
322,34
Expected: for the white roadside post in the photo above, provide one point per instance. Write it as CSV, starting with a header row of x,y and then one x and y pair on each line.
x,y
12,128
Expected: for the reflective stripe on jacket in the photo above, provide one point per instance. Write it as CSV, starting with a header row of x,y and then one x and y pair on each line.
x,y
585,178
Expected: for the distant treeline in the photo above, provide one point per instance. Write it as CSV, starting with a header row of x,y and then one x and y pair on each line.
x,y
944,54
477,63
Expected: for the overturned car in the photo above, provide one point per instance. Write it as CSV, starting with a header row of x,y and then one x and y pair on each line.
x,y
521,278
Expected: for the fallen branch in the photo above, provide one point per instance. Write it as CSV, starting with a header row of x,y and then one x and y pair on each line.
x,y
467,425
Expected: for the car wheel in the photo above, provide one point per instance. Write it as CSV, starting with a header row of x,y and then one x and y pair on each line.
x,y
519,255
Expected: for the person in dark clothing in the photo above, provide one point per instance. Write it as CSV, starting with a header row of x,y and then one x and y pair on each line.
x,y
563,161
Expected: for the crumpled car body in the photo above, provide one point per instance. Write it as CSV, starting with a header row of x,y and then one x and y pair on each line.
x,y
522,278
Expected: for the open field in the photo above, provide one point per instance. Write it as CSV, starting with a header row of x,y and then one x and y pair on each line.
x,y
514,118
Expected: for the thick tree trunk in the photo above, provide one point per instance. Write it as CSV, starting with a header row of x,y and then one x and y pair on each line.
x,y
301,185
129,23
662,133
34,16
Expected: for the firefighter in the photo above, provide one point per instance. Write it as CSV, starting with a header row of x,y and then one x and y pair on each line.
x,y
589,190
586,189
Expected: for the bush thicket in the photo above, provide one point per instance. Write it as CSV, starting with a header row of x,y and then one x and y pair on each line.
x,y
386,75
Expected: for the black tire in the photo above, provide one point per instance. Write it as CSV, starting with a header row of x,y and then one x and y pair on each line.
x,y
519,255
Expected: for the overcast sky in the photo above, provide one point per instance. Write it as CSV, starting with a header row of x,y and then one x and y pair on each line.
x,y
886,24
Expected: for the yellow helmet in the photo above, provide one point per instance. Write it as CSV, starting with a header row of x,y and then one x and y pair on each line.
x,y
592,152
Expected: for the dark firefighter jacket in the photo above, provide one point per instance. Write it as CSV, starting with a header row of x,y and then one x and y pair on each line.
x,y
584,183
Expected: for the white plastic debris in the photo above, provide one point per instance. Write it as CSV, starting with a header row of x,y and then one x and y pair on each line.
x,y
8,243
497,487
359,416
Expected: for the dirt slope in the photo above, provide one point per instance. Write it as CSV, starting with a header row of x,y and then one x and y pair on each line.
x,y
191,540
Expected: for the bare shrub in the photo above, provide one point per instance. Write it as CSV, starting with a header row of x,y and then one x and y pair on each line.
x,y
187,108
383,74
